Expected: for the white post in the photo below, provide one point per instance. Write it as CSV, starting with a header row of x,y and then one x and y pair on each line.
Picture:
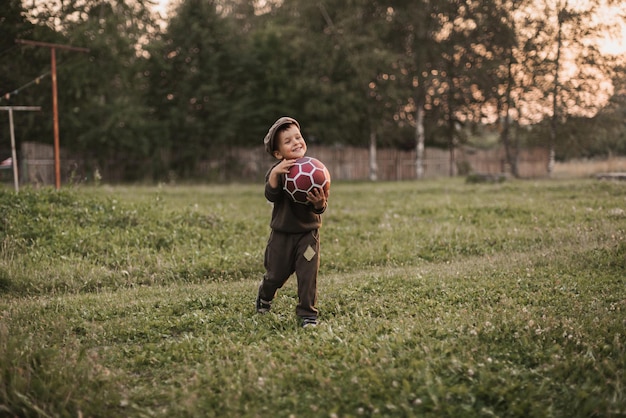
x,y
16,182
373,163
10,109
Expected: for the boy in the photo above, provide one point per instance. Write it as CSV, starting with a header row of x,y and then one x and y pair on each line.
x,y
293,245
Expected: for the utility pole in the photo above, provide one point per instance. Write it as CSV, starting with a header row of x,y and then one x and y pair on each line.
x,y
55,110
16,182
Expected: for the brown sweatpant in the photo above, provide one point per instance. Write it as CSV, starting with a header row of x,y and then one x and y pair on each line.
x,y
286,254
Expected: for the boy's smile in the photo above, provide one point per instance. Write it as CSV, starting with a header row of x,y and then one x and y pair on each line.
x,y
290,144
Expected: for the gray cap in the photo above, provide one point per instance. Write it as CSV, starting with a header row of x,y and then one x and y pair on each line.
x,y
269,138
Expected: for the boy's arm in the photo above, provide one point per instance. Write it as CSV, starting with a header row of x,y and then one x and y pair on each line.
x,y
273,194
273,182
273,178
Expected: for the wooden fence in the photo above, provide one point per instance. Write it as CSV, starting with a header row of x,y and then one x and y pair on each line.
x,y
352,163
251,164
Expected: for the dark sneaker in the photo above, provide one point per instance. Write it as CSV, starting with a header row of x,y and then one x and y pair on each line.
x,y
262,306
309,321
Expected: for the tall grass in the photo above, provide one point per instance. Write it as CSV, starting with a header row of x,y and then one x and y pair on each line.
x,y
437,298
588,168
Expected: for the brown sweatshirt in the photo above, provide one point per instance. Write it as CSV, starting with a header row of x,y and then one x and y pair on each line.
x,y
287,215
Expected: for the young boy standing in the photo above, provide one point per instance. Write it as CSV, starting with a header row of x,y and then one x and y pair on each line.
x,y
293,245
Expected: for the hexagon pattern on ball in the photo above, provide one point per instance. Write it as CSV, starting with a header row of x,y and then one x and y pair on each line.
x,y
303,176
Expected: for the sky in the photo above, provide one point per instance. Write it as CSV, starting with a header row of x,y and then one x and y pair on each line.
x,y
161,7
617,44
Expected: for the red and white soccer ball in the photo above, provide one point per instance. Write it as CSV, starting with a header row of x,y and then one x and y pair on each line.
x,y
306,174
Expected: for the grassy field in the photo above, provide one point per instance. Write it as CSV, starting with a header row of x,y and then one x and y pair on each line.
x,y
437,298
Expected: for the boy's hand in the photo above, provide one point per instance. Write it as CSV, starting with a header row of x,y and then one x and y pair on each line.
x,y
318,198
280,169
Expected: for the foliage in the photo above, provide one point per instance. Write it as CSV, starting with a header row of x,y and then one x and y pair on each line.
x,y
437,298
156,100
602,135
194,75
22,70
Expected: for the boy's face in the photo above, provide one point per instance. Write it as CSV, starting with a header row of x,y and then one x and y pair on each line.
x,y
290,144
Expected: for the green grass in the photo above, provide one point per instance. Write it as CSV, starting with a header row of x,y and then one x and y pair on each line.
x,y
436,298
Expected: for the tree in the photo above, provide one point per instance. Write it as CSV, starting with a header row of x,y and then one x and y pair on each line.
x,y
24,75
195,74
100,110
452,51
560,69
108,115
359,30
356,72
415,30
602,135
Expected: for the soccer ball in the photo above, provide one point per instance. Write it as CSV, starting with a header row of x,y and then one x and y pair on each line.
x,y
306,174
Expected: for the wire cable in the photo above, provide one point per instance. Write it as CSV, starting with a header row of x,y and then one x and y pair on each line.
x,y
7,95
